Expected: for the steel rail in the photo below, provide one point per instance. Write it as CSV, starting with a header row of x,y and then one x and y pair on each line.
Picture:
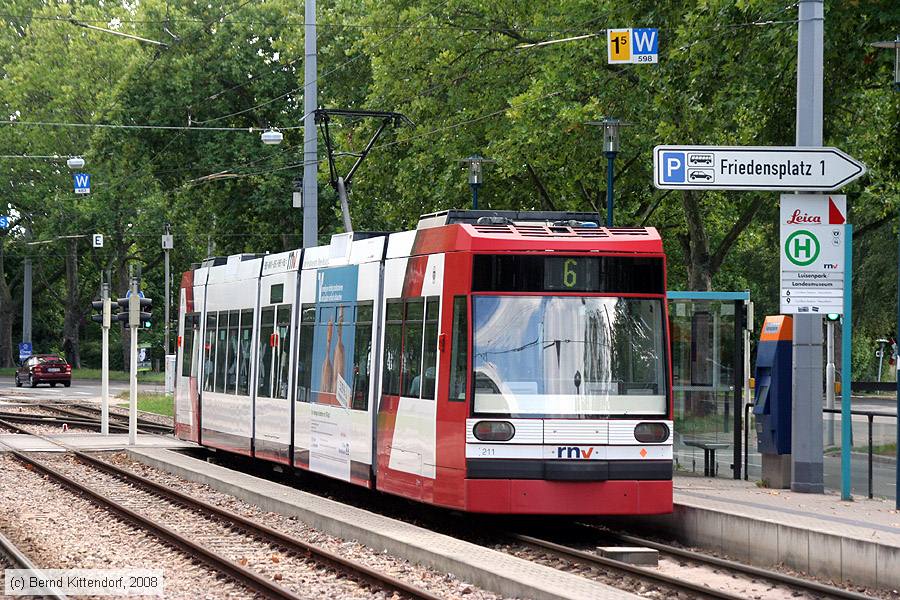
x,y
21,561
812,586
17,429
356,569
237,572
77,409
54,420
260,530
143,425
581,555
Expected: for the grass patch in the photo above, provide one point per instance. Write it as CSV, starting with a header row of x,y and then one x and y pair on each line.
x,y
160,404
143,376
880,449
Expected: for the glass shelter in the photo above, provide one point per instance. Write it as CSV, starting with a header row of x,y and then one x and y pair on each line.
x,y
710,333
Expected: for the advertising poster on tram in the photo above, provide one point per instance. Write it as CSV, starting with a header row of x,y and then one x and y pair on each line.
x,y
332,375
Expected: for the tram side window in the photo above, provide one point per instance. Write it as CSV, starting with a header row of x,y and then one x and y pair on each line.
x,y
221,351
362,356
393,343
231,361
245,347
429,348
264,372
460,350
411,366
209,352
305,351
282,351
187,344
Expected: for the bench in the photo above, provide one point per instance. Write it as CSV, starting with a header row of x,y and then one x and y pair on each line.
x,y
709,454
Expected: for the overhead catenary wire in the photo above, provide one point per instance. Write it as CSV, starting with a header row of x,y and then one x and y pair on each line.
x,y
137,126
319,77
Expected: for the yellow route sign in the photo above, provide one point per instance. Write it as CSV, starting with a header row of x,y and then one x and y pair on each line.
x,y
618,45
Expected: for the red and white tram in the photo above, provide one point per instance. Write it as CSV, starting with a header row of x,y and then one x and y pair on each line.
x,y
489,362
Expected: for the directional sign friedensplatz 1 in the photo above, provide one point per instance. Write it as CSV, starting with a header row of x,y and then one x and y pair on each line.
x,y
753,168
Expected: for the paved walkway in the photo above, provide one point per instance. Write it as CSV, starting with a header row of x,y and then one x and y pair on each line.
x,y
856,542
862,518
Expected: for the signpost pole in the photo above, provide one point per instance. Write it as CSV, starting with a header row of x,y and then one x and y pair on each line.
x,y
104,369
829,379
807,473
166,246
846,347
134,311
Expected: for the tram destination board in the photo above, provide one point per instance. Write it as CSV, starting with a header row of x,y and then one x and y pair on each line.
x,y
753,168
529,273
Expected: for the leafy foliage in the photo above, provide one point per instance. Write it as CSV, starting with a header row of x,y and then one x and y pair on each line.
x,y
460,72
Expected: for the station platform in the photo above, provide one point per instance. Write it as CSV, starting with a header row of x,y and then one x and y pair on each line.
x,y
489,569
86,442
817,534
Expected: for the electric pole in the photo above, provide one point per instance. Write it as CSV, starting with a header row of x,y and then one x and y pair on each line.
x,y
806,438
26,292
310,139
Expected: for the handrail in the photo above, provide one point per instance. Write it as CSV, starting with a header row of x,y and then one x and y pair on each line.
x,y
870,418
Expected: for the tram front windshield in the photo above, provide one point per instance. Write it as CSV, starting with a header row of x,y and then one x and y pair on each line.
x,y
568,356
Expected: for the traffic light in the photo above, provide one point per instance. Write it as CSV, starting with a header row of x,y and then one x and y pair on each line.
x,y
98,306
144,312
122,315
833,317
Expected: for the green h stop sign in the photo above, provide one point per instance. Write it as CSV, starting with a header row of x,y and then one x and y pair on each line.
x,y
802,248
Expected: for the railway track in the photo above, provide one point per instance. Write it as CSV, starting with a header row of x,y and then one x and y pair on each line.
x,y
795,586
11,557
117,421
259,557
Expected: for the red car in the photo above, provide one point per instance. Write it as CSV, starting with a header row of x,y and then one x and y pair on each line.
x,y
44,368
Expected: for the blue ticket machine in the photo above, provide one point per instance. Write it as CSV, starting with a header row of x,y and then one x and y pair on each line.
x,y
772,399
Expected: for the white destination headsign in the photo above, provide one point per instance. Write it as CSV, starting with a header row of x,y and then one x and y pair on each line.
x,y
753,168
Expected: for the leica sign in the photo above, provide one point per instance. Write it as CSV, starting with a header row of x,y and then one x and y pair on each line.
x,y
813,209
812,253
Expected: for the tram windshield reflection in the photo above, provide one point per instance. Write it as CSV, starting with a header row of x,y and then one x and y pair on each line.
x,y
568,356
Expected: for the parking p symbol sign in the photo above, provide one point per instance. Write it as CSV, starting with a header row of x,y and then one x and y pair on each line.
x,y
673,167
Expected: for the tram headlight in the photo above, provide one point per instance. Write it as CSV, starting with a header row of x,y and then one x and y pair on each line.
x,y
494,431
651,433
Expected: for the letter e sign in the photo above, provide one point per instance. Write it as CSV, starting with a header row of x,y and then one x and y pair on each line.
x,y
98,240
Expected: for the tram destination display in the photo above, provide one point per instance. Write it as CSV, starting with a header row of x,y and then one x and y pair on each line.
x,y
529,273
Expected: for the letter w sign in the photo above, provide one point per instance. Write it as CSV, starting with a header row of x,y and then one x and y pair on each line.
x,y
632,46
82,183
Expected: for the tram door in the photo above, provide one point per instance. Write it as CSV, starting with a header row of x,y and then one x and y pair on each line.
x,y
709,334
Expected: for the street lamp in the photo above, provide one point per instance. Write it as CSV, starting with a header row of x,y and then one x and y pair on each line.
x,y
75,162
896,46
611,149
611,126
271,137
476,179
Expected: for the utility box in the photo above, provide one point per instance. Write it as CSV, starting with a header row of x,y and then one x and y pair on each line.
x,y
772,399
170,373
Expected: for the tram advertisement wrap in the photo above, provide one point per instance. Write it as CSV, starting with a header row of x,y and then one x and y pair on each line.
x,y
332,375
